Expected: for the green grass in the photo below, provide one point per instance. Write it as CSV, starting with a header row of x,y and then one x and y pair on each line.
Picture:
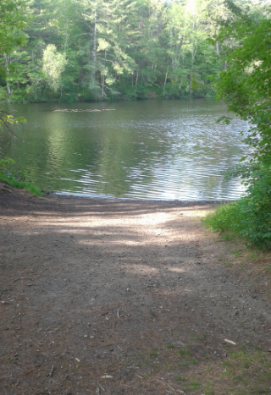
x,y
245,219
193,386
170,346
225,218
194,362
153,352
208,388
181,353
250,371
227,236
254,255
21,184
236,253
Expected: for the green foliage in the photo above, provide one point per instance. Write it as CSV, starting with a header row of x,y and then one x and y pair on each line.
x,y
225,218
21,184
7,120
5,163
250,217
53,66
16,178
109,50
246,88
12,22
13,19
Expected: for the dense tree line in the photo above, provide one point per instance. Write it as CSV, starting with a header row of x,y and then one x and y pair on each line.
x,y
112,49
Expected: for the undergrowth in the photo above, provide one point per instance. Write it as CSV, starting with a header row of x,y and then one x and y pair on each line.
x,y
21,184
246,218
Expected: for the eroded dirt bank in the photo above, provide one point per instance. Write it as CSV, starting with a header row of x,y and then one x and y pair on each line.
x,y
120,297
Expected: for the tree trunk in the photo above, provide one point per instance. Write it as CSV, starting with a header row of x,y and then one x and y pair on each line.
x,y
191,77
193,55
136,78
165,82
190,85
103,94
66,31
94,50
9,90
217,48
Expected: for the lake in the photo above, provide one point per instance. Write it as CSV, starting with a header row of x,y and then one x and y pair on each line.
x,y
147,149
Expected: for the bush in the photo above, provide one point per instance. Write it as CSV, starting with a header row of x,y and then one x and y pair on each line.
x,y
245,86
250,217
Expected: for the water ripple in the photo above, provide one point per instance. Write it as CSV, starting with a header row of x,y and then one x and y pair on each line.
x,y
149,150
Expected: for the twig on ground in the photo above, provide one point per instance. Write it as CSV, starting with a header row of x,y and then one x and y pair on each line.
x,y
100,386
52,371
166,384
22,278
230,342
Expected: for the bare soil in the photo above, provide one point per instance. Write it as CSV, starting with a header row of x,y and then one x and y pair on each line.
x,y
123,297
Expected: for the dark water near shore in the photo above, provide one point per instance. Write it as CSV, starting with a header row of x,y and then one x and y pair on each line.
x,y
150,149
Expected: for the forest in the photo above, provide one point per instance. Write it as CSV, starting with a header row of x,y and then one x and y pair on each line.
x,y
71,50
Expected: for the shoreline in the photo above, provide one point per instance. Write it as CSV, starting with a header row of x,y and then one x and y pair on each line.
x,y
13,193
112,198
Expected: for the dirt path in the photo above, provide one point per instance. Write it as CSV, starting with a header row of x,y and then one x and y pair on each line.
x,y
122,297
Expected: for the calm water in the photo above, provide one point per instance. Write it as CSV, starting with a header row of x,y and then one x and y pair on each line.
x,y
150,149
